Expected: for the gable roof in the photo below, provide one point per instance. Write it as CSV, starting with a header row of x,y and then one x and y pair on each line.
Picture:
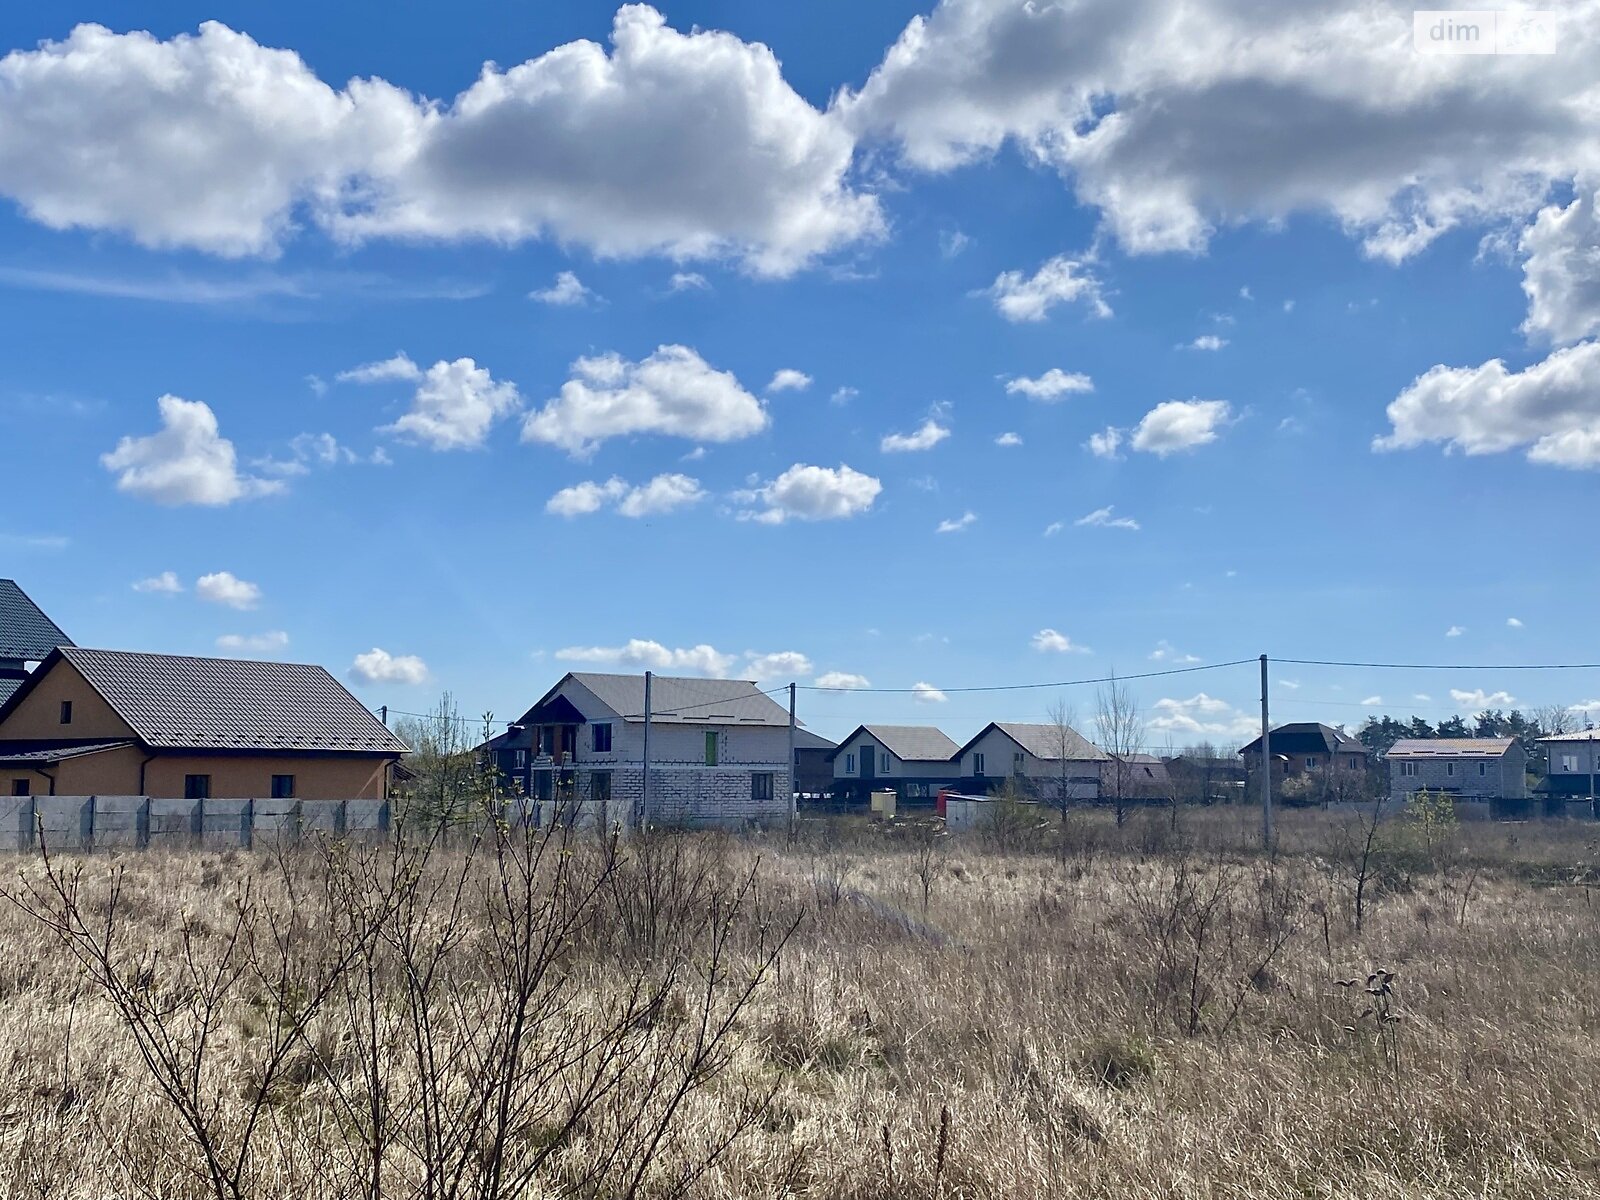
x,y
1042,741
1581,735
678,701
174,703
804,739
1451,747
48,757
908,743
1307,737
25,632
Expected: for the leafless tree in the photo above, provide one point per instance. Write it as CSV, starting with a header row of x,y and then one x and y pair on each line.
x,y
1120,731
1066,744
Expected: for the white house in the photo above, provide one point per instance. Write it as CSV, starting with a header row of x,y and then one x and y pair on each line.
x,y
1574,767
1040,758
914,761
719,749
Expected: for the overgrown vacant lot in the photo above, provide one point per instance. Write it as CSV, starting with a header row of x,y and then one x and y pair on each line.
x,y
1150,1011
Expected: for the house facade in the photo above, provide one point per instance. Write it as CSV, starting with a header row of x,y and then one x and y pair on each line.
x,y
913,761
719,749
813,771
1042,761
1467,768
1573,772
113,723
1309,746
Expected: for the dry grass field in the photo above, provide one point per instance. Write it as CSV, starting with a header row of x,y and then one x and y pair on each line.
x,y
1152,1011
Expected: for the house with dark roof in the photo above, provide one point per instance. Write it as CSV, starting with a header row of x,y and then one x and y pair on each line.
x,y
1141,778
114,723
26,636
718,754
1043,761
1304,746
1466,768
913,761
813,769
1574,767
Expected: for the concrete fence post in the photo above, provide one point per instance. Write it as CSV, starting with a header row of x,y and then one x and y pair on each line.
x,y
299,821
31,833
247,834
341,818
87,839
197,822
141,824
383,819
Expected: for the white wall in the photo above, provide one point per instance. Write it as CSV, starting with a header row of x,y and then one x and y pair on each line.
x,y
999,763
897,768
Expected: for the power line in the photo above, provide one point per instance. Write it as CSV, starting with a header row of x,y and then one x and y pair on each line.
x,y
1388,666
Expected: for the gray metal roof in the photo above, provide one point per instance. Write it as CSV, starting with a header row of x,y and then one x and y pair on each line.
x,y
230,704
913,743
1044,741
59,754
1451,747
7,686
1581,735
25,632
682,701
804,739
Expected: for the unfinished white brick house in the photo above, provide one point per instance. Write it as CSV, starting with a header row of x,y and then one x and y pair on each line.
x,y
719,750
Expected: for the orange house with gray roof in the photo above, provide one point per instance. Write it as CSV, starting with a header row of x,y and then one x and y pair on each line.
x,y
115,723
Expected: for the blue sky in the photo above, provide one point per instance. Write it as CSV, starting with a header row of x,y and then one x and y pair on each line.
x,y
1275,253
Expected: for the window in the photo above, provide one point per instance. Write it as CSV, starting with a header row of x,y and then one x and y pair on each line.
x,y
977,764
519,759
711,748
883,763
849,764
19,787
602,739
1018,761
1311,764
600,785
283,787
1449,768
544,785
761,785
1569,762
66,712
1355,762
1483,769
197,787
1408,769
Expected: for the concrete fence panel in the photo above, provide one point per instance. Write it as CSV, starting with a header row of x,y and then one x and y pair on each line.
x,y
226,822
67,822
174,822
120,821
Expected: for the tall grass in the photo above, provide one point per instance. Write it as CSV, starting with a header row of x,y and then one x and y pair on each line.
x,y
851,1012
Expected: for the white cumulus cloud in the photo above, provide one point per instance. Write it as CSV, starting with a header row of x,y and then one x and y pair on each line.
x,y
842,681
1561,271
691,145
1052,385
1178,425
455,405
587,497
166,583
957,524
1552,407
663,494
1106,443
925,437
1207,341
810,493
187,462
379,666
644,654
1060,280
566,292
387,370
926,693
787,379
224,587
781,664
1051,641
1478,699
1008,439
271,642
673,392
1201,715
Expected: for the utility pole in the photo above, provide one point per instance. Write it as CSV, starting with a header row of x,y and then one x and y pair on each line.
x,y
644,796
794,803
384,717
1266,764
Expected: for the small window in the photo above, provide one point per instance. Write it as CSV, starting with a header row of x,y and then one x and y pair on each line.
x,y
849,764
1483,769
66,712
1449,768
19,787
600,785
761,785
883,763
711,748
1311,764
1569,762
977,765
283,787
1018,761
1408,768
544,785
519,759
197,787
602,739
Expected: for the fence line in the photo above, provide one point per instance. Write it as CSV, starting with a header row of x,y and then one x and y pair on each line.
x,y
139,822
